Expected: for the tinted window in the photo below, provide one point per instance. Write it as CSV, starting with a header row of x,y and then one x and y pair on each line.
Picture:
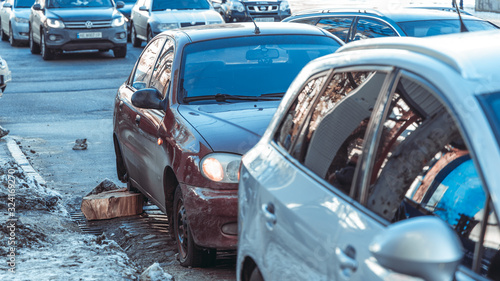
x,y
371,28
163,68
161,5
338,26
146,64
250,66
23,3
311,21
437,27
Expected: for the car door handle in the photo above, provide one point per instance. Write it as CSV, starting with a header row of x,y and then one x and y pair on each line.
x,y
268,211
137,119
120,104
346,259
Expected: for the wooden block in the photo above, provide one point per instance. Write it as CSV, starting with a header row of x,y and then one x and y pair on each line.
x,y
112,204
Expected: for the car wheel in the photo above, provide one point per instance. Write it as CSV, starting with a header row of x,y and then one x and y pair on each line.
x,y
13,42
150,34
256,275
189,253
47,53
34,47
136,42
4,36
120,52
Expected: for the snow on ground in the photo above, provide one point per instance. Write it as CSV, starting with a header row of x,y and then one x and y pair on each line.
x,y
38,240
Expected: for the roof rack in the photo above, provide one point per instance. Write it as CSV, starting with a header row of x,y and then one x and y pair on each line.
x,y
338,10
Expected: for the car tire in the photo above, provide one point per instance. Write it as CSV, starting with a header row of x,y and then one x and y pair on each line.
x,y
13,42
256,275
190,254
120,52
4,36
47,53
34,47
136,42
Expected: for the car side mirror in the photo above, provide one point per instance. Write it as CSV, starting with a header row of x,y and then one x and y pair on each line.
x,y
7,5
36,7
120,4
424,247
143,8
148,98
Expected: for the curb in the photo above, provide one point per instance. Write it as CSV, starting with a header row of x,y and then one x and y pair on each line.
x,y
21,160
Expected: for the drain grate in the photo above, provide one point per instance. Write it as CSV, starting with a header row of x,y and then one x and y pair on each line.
x,y
82,223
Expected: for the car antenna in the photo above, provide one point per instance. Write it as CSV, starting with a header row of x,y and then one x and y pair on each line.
x,y
463,28
256,30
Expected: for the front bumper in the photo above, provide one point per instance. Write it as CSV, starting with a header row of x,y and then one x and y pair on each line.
x,y
209,212
21,31
68,39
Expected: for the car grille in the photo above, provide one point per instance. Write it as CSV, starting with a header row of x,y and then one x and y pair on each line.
x,y
88,24
262,9
186,24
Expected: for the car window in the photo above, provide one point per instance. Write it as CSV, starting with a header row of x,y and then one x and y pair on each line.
x,y
23,3
163,68
146,63
422,166
338,26
425,28
311,21
372,28
79,3
491,106
161,5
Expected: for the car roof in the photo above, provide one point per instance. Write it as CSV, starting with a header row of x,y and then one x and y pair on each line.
x,y
220,31
397,15
458,51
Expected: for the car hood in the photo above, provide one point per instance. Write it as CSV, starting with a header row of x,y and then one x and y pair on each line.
x,y
83,14
22,12
187,16
232,127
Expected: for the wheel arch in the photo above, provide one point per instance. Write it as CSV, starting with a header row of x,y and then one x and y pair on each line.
x,y
121,169
247,268
170,183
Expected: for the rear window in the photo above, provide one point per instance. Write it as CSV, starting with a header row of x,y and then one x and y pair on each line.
x,y
426,28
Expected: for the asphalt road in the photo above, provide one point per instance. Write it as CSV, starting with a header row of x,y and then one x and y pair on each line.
x,y
50,104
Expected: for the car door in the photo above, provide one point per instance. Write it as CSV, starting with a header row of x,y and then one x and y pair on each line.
x,y
303,211
5,16
367,27
143,18
138,127
36,18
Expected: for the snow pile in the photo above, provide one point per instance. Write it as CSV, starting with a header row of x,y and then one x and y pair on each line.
x,y
23,193
155,273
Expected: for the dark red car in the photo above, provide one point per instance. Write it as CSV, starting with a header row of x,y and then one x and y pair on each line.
x,y
197,99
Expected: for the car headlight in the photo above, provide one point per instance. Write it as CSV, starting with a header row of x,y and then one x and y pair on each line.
x,y
55,23
21,20
236,5
118,21
3,63
221,167
167,26
284,6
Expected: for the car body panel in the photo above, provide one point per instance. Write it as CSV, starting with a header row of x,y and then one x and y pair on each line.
x,y
17,19
5,75
307,207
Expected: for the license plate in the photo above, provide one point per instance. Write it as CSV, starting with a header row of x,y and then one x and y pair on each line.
x,y
87,35
264,19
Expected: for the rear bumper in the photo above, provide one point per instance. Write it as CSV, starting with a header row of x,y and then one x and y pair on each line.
x,y
209,212
68,39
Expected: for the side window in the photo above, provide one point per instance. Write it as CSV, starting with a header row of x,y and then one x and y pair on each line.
x,y
422,166
311,21
146,64
338,26
163,68
371,28
296,115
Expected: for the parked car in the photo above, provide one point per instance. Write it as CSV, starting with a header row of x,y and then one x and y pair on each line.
x,y
196,100
14,21
151,17
259,11
356,24
62,25
381,163
126,10
5,75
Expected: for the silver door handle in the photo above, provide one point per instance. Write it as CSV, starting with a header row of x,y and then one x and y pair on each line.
x,y
120,104
345,261
268,211
137,119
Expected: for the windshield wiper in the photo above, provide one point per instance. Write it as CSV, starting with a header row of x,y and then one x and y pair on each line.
x,y
273,95
226,97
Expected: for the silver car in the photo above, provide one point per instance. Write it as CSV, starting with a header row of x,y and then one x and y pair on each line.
x,y
151,17
14,21
381,163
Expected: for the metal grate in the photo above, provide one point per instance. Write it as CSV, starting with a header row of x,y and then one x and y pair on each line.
x,y
88,24
262,8
186,24
82,223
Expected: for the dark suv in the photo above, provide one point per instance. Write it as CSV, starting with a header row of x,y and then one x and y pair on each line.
x,y
64,25
245,10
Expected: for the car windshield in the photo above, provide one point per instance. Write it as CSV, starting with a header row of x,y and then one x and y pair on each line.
x,y
255,66
491,105
23,3
426,28
161,5
79,3
129,1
